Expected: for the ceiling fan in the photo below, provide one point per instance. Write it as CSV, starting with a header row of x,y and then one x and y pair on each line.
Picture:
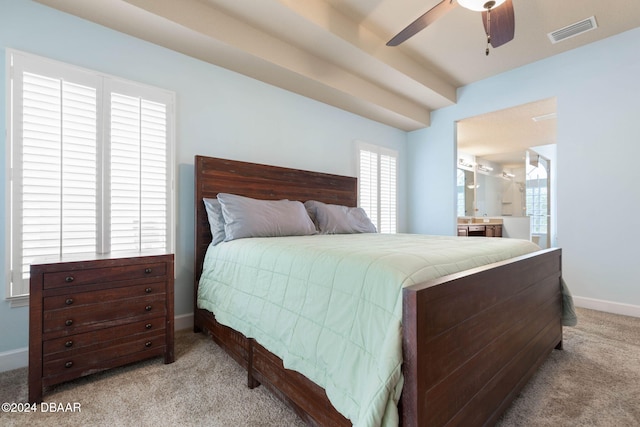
x,y
497,16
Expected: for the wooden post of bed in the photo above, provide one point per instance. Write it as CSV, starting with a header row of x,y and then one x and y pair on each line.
x,y
472,340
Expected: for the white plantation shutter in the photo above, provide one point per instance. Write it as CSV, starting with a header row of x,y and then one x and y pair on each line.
x,y
57,191
368,185
138,174
377,176
86,176
387,193
58,169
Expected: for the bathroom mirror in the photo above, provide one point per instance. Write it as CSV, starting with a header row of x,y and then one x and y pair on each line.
x,y
466,192
491,189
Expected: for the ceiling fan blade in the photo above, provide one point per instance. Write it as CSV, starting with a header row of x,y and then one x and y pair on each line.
x,y
503,24
422,22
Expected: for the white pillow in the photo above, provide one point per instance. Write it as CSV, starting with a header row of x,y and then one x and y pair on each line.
x,y
337,219
247,217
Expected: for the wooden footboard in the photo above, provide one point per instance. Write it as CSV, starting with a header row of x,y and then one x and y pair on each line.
x,y
472,340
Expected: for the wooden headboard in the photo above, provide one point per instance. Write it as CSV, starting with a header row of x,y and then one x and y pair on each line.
x,y
213,176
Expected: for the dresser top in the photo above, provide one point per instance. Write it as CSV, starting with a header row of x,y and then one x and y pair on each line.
x,y
84,257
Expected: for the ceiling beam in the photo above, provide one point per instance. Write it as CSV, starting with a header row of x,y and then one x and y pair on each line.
x,y
261,46
198,29
396,69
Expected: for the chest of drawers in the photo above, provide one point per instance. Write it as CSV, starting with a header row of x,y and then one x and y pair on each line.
x,y
88,316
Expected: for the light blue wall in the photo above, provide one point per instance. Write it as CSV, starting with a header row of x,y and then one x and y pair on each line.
x,y
220,113
598,101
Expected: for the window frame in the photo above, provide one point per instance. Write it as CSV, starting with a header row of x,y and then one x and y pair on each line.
x,y
104,84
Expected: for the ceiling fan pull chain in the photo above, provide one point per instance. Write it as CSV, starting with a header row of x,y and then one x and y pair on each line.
x,y
488,30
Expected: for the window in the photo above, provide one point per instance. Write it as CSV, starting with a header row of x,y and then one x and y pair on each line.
x,y
91,165
377,176
461,191
537,198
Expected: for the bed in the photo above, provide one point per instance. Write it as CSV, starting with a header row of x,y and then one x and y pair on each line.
x,y
506,316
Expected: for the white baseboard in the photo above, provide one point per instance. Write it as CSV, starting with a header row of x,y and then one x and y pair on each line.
x,y
14,359
19,358
183,321
607,306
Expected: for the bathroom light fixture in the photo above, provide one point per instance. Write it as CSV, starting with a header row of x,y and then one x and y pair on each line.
x,y
508,175
485,168
480,5
465,163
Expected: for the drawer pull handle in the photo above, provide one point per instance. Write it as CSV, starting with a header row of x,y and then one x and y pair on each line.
x,y
147,270
147,344
148,308
148,290
68,301
68,344
68,322
148,326
68,364
68,279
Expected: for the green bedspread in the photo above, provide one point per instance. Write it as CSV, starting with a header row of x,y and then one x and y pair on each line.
x,y
330,306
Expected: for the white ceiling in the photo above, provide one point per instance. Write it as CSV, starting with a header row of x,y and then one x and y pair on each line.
x,y
504,136
334,50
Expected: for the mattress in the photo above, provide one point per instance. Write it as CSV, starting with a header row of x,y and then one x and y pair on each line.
x,y
330,306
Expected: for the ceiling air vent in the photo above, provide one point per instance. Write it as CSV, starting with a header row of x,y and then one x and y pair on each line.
x,y
573,30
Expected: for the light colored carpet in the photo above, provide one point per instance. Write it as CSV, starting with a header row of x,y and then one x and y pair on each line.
x,y
594,381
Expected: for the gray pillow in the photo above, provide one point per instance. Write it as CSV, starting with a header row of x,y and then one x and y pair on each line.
x,y
247,217
216,220
337,219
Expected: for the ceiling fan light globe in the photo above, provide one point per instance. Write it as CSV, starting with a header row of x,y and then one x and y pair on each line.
x,y
479,5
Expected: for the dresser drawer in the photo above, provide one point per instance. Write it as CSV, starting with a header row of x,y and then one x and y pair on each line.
x,y
88,317
103,275
73,299
91,360
103,338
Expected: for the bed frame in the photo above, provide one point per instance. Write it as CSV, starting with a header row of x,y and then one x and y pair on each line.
x,y
471,340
